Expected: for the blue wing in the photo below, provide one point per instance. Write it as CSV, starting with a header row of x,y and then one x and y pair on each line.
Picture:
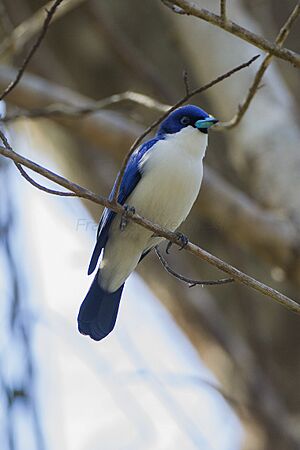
x,y
131,178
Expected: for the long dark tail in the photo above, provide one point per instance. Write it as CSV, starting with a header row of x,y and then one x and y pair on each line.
x,y
98,311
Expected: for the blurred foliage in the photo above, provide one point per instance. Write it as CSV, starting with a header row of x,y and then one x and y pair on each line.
x,y
105,47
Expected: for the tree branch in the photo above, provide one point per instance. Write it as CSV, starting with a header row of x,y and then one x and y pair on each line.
x,y
189,281
231,27
33,49
31,180
58,110
106,128
283,34
157,230
40,186
187,96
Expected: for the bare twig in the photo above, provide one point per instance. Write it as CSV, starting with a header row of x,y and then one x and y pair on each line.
x,y
163,116
28,178
223,10
77,112
157,230
21,35
107,128
40,186
189,281
127,51
283,34
286,28
49,15
191,8
263,232
186,82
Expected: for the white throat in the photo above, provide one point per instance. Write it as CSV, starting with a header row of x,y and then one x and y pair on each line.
x,y
191,140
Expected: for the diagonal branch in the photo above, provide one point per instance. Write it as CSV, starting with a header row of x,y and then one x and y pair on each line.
x,y
33,49
180,102
28,178
157,230
283,34
192,9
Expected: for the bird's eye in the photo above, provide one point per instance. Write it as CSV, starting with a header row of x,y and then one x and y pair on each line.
x,y
185,120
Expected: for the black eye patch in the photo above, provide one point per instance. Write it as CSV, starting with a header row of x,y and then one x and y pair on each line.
x,y
185,120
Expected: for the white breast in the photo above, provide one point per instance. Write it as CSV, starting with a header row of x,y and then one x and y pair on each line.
x,y
172,176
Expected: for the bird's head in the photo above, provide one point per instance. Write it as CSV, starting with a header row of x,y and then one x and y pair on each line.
x,y
186,116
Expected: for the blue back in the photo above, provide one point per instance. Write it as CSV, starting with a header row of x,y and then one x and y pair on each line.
x,y
132,176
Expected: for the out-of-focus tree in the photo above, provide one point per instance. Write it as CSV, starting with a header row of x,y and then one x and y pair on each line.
x,y
248,211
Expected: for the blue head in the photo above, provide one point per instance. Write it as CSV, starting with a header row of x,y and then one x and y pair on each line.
x,y
185,116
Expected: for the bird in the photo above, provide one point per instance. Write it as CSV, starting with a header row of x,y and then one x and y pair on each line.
x,y
161,181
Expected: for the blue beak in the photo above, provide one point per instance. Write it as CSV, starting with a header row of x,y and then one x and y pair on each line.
x,y
206,123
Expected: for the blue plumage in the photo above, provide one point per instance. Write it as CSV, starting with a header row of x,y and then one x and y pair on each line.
x,y
131,178
181,118
98,312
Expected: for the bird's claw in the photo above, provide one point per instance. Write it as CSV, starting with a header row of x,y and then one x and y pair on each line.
x,y
124,218
183,239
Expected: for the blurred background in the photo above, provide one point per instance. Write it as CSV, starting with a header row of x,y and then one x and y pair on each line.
x,y
213,368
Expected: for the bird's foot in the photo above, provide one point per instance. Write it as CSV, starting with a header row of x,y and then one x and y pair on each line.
x,y
183,240
124,218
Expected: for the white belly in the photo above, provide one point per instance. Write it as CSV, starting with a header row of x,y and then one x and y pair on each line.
x,y
168,190
170,183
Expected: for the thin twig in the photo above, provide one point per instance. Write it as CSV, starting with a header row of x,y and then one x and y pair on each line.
x,y
58,110
127,50
223,10
157,230
40,186
190,8
28,178
27,29
33,49
282,35
189,281
286,28
186,82
164,115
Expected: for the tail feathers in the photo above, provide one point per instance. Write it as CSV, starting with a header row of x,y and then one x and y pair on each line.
x,y
98,312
